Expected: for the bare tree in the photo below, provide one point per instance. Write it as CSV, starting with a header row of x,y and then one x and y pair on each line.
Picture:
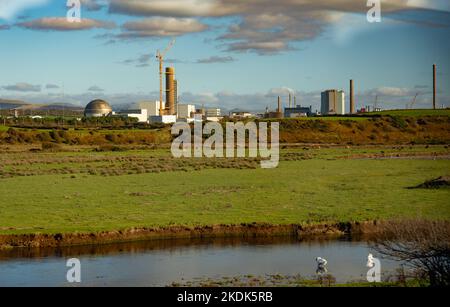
x,y
422,245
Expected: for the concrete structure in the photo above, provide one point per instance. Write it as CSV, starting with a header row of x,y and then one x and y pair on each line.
x,y
333,102
170,91
140,114
212,113
152,107
434,86
98,108
160,56
278,113
165,119
214,119
297,111
352,98
185,111
241,115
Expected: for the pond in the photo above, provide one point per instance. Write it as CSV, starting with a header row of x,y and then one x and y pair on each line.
x,y
161,262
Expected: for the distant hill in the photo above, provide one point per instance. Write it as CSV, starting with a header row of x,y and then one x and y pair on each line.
x,y
57,106
9,104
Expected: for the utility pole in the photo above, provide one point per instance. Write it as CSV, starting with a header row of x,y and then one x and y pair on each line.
x,y
352,98
434,86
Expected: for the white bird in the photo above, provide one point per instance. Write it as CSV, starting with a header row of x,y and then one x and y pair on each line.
x,y
370,262
321,265
321,261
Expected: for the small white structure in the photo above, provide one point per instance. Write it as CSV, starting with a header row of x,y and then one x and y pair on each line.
x,y
141,114
165,119
185,111
241,115
214,119
297,115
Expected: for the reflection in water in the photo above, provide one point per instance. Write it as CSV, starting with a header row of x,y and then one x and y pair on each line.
x,y
161,262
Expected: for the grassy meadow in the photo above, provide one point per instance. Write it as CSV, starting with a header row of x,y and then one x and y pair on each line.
x,y
414,112
89,191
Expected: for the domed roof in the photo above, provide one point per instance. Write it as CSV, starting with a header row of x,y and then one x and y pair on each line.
x,y
97,107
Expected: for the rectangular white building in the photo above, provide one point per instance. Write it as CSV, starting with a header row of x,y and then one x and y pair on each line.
x,y
152,107
185,111
333,102
165,119
212,113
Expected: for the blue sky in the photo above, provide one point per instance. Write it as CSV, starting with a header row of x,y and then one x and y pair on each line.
x,y
226,54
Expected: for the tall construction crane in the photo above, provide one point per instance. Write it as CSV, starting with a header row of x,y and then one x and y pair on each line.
x,y
413,102
160,57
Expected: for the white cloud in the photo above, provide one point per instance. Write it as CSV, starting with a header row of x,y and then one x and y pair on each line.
x,y
22,87
270,27
61,24
216,59
161,27
169,8
10,8
95,88
441,5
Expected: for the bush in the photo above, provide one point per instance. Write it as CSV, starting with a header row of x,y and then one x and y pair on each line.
x,y
49,146
423,245
109,148
398,122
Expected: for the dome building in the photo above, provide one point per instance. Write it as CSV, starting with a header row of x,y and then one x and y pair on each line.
x,y
97,108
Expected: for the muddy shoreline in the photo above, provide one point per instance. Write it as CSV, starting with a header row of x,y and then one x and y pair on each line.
x,y
254,230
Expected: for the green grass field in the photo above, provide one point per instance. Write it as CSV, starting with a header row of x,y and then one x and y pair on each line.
x,y
324,188
414,112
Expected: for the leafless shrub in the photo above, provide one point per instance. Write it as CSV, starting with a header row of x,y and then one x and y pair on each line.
x,y
422,245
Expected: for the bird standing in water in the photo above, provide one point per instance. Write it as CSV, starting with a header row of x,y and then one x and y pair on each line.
x,y
321,265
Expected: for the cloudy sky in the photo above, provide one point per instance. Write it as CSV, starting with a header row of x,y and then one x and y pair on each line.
x,y
228,53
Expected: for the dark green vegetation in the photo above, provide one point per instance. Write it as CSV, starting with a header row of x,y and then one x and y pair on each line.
x,y
279,280
392,129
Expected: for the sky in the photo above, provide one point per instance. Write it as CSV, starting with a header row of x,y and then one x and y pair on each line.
x,y
228,53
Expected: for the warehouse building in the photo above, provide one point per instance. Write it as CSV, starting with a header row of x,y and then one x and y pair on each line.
x,y
297,111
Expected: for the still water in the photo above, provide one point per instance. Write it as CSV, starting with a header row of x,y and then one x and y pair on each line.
x,y
161,262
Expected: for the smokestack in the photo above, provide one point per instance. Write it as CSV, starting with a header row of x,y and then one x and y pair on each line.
x,y
290,100
279,104
170,90
352,98
295,101
434,86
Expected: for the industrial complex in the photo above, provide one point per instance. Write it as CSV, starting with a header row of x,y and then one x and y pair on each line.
x,y
169,111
